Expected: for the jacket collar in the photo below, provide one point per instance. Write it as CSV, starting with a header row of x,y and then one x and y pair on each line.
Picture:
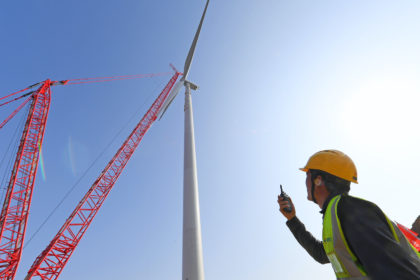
x,y
327,201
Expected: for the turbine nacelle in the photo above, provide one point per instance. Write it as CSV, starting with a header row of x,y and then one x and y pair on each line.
x,y
191,85
174,92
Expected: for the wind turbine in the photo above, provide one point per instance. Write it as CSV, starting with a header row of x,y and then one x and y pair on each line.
x,y
192,251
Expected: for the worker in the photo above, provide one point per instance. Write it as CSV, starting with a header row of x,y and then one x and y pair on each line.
x,y
358,239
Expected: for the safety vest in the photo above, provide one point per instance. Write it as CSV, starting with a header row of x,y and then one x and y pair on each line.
x,y
344,262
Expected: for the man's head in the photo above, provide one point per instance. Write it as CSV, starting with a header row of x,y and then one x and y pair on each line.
x,y
329,171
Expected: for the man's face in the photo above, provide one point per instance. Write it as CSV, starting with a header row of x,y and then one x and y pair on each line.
x,y
309,185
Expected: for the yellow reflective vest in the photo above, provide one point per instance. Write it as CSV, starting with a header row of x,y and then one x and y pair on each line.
x,y
344,262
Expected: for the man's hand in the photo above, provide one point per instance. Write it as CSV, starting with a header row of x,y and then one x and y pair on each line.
x,y
284,204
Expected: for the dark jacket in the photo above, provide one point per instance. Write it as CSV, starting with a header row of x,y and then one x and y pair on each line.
x,y
369,237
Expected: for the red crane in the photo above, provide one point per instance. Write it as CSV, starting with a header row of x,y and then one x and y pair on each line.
x,y
14,214
412,236
50,263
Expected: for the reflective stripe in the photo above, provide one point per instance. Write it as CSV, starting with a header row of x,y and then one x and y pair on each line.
x,y
335,263
348,266
341,247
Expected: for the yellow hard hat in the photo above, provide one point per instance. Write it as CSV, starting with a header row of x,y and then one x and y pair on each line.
x,y
334,162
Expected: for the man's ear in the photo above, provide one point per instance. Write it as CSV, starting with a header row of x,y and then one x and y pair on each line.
x,y
318,181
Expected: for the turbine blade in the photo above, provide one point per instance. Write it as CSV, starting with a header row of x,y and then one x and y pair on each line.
x,y
171,97
194,43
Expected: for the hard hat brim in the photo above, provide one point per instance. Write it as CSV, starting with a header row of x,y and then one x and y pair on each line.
x,y
307,169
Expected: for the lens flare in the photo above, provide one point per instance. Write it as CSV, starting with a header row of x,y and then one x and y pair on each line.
x,y
41,163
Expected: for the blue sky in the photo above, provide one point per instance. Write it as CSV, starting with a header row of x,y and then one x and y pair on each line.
x,y
279,80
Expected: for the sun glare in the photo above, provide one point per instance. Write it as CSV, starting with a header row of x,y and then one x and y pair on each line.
x,y
383,112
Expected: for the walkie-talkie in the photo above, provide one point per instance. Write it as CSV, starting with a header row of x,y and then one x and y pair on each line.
x,y
285,198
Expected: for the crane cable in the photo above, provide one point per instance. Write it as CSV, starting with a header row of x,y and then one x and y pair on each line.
x,y
17,98
110,79
84,81
69,82
22,90
11,150
14,112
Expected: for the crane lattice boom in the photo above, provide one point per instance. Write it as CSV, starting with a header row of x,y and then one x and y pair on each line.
x,y
14,214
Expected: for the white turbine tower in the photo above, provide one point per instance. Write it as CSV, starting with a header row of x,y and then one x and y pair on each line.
x,y
192,251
